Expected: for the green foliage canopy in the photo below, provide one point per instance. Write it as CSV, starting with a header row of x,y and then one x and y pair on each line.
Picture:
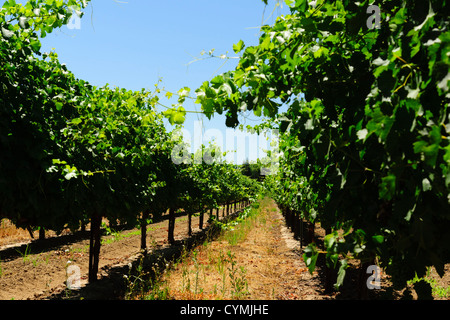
x,y
366,134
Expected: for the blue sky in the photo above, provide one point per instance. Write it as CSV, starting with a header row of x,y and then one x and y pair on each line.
x,y
133,43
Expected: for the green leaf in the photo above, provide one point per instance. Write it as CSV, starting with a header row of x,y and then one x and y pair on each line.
x,y
238,46
179,117
430,149
341,273
322,51
265,44
175,116
380,124
76,121
301,5
169,95
310,257
35,45
59,105
329,240
378,239
387,187
257,111
447,154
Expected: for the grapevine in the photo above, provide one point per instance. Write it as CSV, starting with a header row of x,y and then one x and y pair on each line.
x,y
365,134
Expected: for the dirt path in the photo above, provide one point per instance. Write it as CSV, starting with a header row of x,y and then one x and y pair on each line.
x,y
258,260
272,258
261,260
38,271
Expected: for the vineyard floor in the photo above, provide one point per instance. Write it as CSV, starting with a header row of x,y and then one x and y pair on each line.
x,y
256,260
260,260
263,261
38,269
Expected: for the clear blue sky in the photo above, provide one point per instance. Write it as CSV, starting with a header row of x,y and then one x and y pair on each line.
x,y
133,43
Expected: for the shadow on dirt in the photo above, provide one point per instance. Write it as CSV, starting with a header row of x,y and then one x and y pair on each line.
x,y
113,285
54,243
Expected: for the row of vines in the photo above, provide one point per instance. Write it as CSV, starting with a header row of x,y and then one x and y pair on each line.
x,y
73,154
364,142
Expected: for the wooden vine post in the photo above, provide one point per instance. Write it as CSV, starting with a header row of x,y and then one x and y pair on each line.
x,y
201,218
145,216
189,223
171,230
94,247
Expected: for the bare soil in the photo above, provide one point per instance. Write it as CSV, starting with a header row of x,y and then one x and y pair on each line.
x,y
37,269
267,261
